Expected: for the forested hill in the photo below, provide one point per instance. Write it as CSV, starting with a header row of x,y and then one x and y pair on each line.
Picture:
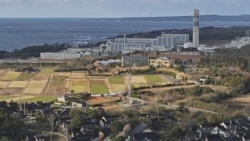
x,y
206,33
33,51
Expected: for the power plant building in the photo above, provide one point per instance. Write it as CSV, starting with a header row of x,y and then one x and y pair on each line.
x,y
163,42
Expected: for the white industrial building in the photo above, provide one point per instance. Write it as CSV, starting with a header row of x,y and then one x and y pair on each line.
x,y
239,43
70,53
163,42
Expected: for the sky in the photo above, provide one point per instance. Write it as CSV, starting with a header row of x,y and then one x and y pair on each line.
x,y
120,8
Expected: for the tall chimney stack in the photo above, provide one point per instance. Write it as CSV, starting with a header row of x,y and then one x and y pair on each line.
x,y
196,29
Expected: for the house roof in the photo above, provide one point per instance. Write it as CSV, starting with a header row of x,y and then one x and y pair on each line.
x,y
139,128
165,58
214,138
232,138
142,136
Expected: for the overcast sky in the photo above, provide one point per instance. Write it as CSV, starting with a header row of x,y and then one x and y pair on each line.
x,y
120,8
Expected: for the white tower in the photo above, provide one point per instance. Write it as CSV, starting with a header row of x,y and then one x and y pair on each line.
x,y
196,29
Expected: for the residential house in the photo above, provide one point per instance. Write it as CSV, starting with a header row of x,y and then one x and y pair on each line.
x,y
63,98
143,133
79,104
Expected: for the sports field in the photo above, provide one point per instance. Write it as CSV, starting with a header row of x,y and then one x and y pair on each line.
x,y
98,87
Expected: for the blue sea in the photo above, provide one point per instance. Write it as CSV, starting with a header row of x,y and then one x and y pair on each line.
x,y
18,33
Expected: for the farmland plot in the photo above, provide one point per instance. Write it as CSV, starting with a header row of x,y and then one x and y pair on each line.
x,y
156,79
26,76
80,86
98,87
44,74
4,84
138,81
35,87
18,84
10,76
78,75
117,83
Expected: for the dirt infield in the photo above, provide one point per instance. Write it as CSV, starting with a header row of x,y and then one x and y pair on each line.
x,y
3,84
18,84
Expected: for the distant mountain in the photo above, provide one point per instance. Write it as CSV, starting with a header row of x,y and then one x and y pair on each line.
x,y
187,18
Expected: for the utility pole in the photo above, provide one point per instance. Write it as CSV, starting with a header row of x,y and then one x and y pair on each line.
x,y
67,132
51,119
129,84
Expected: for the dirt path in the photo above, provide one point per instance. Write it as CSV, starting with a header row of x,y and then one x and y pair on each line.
x,y
161,89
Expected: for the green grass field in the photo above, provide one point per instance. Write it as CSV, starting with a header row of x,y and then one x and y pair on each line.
x,y
116,80
44,98
25,76
79,86
153,78
98,87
